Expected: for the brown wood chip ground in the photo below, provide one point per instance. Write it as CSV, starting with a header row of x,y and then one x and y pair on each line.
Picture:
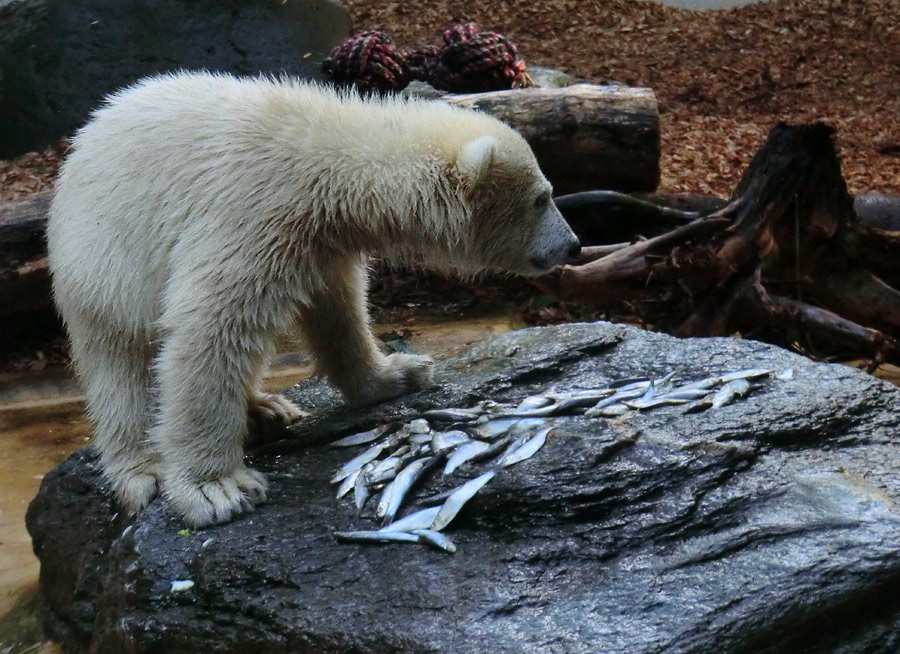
x,y
723,78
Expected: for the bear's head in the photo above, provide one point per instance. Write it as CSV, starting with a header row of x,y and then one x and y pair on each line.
x,y
515,226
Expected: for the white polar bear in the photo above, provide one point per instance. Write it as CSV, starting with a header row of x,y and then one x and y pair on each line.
x,y
199,217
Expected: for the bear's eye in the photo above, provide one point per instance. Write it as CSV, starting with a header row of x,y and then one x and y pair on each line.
x,y
541,201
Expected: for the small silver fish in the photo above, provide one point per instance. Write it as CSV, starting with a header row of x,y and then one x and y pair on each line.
x,y
515,444
526,424
566,404
463,453
750,373
458,498
363,437
610,411
419,438
419,426
442,440
399,438
435,539
399,452
422,519
617,399
723,396
437,498
358,462
685,393
630,382
496,448
657,401
495,427
400,487
499,426
452,415
541,412
649,394
379,468
597,393
787,373
361,488
527,449
348,483
533,402
740,386
641,383
703,384
387,474
376,536
699,405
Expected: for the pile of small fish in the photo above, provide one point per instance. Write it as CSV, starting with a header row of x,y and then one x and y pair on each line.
x,y
405,454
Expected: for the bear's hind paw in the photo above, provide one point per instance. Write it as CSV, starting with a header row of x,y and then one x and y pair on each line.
x,y
416,371
219,500
274,407
400,374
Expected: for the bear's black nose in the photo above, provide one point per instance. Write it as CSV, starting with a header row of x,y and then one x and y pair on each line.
x,y
574,250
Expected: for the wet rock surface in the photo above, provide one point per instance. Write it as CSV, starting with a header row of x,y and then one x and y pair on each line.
x,y
768,525
58,58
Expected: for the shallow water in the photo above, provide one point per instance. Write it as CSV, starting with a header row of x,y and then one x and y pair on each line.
x,y
41,423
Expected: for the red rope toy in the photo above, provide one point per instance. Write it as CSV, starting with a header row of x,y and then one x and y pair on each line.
x,y
469,61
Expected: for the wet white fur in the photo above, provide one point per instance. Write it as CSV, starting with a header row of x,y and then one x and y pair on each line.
x,y
200,216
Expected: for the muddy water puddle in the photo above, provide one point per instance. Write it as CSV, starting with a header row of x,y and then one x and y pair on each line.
x,y
41,423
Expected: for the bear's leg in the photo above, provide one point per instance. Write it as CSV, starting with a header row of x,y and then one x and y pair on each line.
x,y
204,373
336,326
115,376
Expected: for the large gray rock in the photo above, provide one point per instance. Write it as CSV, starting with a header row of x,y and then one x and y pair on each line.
x,y
58,58
770,525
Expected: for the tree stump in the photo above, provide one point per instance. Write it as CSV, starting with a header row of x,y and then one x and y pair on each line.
x,y
786,260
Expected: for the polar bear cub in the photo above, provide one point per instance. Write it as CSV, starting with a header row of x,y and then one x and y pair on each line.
x,y
200,216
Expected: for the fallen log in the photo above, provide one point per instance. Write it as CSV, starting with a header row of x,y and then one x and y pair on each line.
x,y
584,136
786,258
24,277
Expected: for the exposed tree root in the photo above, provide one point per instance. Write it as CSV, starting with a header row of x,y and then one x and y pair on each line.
x,y
786,255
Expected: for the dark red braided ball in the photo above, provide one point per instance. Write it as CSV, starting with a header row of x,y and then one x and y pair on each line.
x,y
423,64
369,61
473,62
461,33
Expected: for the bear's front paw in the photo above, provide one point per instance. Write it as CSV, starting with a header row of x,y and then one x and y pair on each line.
x,y
218,500
398,375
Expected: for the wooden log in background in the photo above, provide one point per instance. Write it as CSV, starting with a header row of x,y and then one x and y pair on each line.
x,y
584,136
24,278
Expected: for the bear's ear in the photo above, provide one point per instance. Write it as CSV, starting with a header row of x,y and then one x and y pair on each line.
x,y
475,158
